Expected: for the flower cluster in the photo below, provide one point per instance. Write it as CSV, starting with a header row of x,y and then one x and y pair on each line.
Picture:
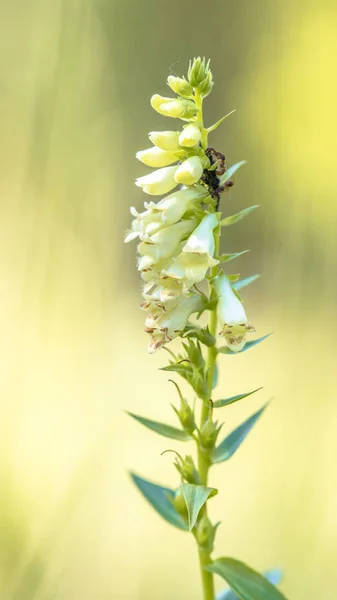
x,y
177,234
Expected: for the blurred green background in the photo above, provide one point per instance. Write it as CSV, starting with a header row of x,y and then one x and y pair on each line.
x,y
75,81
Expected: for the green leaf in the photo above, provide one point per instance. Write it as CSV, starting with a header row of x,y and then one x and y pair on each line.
x,y
232,219
274,576
162,428
238,285
227,401
226,350
227,257
213,127
246,583
231,443
230,172
160,499
195,498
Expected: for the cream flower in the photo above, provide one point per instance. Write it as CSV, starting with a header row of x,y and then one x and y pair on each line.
x,y
166,140
189,172
156,157
197,255
231,315
166,212
158,182
190,136
173,107
172,322
163,244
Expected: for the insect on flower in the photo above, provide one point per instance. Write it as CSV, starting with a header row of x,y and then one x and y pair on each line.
x,y
211,176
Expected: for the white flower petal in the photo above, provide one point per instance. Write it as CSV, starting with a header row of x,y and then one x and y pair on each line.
x,y
190,171
156,157
158,182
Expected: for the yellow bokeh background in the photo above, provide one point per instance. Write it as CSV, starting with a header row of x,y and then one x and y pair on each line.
x,y
75,82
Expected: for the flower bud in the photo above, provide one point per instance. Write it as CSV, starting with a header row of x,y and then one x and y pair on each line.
x,y
205,534
179,503
158,182
200,76
185,415
173,107
209,433
180,86
156,157
166,140
190,136
231,315
188,471
189,172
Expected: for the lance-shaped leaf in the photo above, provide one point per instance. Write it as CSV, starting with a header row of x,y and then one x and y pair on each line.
x,y
160,499
230,172
251,344
213,127
238,285
227,401
162,428
238,216
274,576
244,581
232,442
195,497
227,257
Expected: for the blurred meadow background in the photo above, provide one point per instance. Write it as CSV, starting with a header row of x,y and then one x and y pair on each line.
x,y
75,81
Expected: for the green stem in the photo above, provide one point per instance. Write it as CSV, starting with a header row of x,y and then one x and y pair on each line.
x,y
203,455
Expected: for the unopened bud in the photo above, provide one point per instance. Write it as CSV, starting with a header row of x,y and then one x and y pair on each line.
x,y
200,76
173,107
166,140
205,534
190,136
188,470
179,503
190,171
180,86
209,433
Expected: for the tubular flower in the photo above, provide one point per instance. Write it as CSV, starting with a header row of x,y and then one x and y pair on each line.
x,y
158,182
174,107
190,136
190,171
166,140
168,325
232,316
163,243
197,256
166,212
156,157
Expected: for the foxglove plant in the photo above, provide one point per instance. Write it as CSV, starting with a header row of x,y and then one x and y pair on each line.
x,y
180,264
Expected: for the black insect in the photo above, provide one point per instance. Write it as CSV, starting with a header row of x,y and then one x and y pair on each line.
x,y
211,177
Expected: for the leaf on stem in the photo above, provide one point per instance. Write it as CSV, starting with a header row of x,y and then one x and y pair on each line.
x,y
244,581
227,401
232,219
230,172
274,576
195,497
238,285
251,344
233,441
160,499
161,428
227,257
